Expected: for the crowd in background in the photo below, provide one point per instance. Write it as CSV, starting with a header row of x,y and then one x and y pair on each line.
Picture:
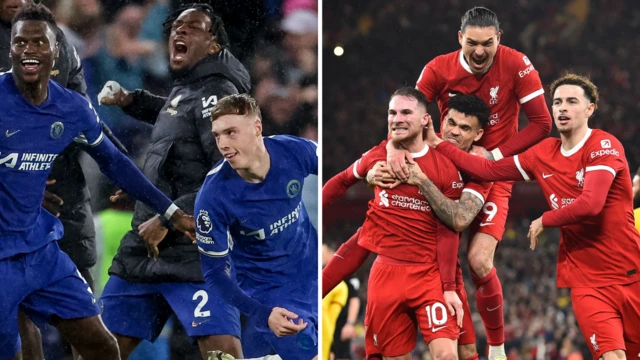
x,y
124,41
386,45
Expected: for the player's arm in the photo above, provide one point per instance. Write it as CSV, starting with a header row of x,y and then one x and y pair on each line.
x,y
530,93
140,104
347,260
124,173
456,215
338,185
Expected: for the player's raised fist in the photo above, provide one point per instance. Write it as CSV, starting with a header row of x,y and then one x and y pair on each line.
x,y
113,94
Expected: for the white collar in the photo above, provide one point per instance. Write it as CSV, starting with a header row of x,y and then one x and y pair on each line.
x,y
577,147
421,153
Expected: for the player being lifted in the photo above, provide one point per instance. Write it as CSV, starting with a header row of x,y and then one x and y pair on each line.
x,y
506,80
40,118
252,226
464,124
586,181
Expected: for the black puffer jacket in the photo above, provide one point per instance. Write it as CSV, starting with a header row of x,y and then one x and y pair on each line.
x,y
181,153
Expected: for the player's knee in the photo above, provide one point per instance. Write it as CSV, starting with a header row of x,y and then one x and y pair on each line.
x,y
445,354
467,351
480,263
614,355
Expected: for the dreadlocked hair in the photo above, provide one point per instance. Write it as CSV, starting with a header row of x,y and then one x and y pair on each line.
x,y
217,25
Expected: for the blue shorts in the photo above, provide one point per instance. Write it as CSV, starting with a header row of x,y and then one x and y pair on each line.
x,y
141,310
259,340
43,283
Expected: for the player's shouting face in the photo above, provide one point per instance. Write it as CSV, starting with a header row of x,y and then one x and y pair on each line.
x,y
190,40
33,45
406,118
461,130
571,108
479,46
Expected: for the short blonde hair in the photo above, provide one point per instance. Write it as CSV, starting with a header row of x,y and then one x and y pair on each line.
x,y
239,104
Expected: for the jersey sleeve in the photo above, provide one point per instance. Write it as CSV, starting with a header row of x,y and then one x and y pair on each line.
x,y
307,152
526,162
212,226
605,153
368,160
527,80
91,133
478,188
428,81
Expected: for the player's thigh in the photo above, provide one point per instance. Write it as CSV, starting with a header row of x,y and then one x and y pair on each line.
x,y
66,294
492,217
391,324
133,309
467,332
254,342
13,289
599,318
201,310
631,318
87,335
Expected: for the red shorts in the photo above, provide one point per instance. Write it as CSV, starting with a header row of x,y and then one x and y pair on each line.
x,y
493,216
467,332
609,318
401,296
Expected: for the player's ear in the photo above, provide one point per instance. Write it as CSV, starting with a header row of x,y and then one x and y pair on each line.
x,y
460,37
214,48
498,36
590,109
478,135
258,127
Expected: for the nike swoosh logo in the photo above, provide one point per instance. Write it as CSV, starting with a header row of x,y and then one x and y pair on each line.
x,y
495,308
11,134
438,329
462,332
546,176
485,224
452,94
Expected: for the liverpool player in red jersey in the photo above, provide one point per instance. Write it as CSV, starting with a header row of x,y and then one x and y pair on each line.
x,y
585,178
506,80
468,115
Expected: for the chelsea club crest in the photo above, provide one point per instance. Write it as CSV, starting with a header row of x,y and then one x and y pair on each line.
x,y
56,130
293,188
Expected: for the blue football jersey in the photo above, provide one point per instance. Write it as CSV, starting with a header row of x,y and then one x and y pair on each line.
x,y
32,137
264,227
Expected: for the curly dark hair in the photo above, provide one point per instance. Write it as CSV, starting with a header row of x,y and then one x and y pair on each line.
x,y
217,29
37,12
471,105
590,90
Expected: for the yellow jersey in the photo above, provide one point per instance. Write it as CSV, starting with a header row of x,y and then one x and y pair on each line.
x,y
332,305
636,214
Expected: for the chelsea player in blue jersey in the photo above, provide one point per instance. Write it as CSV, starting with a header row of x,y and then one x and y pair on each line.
x,y
258,247
38,120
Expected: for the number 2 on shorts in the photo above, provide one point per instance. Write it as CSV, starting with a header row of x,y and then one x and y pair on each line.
x,y
205,297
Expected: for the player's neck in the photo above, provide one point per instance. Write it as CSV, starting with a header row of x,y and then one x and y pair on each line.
x,y
259,167
36,93
571,139
414,145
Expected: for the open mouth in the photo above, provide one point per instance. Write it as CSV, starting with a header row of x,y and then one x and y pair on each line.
x,y
30,66
563,119
478,63
452,140
180,49
230,156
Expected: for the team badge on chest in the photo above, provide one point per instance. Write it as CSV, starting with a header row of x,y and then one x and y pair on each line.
x,y
56,130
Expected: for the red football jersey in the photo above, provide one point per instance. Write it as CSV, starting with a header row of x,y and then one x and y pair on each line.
x,y
604,250
510,81
399,222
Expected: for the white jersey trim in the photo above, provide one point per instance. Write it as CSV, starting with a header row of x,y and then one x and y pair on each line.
x,y
355,172
577,147
172,209
601,167
213,253
524,174
531,96
217,168
421,153
474,193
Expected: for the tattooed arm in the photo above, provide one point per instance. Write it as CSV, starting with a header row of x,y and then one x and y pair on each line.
x,y
456,215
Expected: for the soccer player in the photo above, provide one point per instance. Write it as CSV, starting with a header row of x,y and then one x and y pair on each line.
x,y
345,324
464,124
253,227
332,305
506,80
145,287
40,119
585,178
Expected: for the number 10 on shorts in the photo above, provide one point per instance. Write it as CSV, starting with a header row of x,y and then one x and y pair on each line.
x,y
436,314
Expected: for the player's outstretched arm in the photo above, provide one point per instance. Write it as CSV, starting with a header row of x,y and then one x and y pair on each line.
x,y
338,185
140,104
126,175
457,215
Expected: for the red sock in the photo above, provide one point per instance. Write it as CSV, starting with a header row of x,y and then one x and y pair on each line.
x,y
474,357
489,301
349,258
